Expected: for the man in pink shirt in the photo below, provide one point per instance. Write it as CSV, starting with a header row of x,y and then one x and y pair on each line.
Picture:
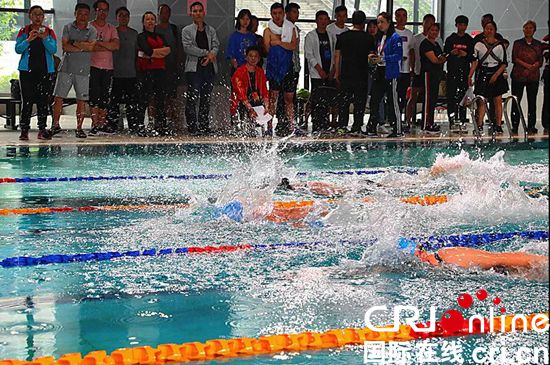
x,y
101,70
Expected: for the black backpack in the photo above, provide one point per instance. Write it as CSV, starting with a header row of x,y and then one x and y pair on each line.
x,y
15,89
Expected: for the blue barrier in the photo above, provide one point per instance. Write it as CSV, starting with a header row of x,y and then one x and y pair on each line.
x,y
429,243
27,180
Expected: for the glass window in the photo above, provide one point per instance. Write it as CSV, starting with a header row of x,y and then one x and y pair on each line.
x,y
416,10
260,8
371,7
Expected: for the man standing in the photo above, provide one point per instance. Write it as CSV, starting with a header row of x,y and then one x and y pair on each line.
x,y
352,72
404,80
125,85
170,33
101,71
334,30
292,11
201,45
339,25
459,46
319,52
481,35
546,80
280,41
417,81
78,42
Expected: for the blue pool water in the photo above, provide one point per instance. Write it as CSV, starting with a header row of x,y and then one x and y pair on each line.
x,y
81,307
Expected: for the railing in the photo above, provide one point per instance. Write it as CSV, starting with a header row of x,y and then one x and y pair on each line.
x,y
521,116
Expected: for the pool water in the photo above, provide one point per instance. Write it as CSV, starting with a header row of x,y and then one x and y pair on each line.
x,y
81,307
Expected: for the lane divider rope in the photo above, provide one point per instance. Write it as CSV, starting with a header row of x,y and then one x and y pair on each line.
x,y
94,208
282,205
27,180
270,344
430,243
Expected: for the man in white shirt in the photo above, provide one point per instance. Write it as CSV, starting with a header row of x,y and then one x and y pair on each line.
x,y
339,25
404,80
417,82
319,53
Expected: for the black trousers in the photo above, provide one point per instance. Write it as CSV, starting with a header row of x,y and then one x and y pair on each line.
x,y
199,89
323,93
545,110
152,85
355,94
403,83
125,91
380,87
36,89
532,91
431,92
457,85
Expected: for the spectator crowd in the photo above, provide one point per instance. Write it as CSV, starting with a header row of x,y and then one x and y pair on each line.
x,y
378,65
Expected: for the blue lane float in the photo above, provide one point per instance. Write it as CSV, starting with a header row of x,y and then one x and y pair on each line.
x,y
29,180
406,244
434,243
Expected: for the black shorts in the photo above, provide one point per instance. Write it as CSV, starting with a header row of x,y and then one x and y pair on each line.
x,y
100,87
288,85
418,81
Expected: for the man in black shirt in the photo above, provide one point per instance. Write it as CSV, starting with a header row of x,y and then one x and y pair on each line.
x,y
480,36
459,48
352,72
319,52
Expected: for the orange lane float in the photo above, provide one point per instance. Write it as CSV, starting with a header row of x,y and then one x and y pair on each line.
x,y
46,210
283,211
264,345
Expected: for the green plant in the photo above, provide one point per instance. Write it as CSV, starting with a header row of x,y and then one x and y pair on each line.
x,y
7,22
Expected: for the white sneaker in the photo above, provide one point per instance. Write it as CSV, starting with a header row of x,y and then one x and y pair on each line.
x,y
382,129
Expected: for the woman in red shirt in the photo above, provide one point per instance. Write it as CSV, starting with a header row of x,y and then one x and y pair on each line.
x,y
152,49
527,59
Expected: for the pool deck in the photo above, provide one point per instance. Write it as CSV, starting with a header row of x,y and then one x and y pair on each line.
x,y
10,138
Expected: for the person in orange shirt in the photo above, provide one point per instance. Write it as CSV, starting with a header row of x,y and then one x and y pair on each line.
x,y
249,87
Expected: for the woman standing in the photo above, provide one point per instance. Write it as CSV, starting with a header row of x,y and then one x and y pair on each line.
x,y
36,44
527,59
431,70
152,50
241,40
389,53
489,64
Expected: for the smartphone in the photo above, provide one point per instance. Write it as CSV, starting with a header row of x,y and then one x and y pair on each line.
x,y
444,55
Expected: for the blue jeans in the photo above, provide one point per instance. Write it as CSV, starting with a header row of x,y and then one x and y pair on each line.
x,y
200,85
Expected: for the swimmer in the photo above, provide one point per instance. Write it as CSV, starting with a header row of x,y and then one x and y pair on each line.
x,y
313,187
471,258
441,167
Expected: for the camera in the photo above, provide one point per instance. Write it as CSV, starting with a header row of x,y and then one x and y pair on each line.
x,y
41,29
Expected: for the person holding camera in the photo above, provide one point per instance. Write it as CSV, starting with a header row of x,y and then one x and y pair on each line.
x,y
387,59
36,44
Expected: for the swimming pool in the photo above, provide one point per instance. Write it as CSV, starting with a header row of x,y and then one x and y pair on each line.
x,y
126,302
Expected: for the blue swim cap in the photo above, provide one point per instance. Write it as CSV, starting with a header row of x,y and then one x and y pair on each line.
x,y
234,210
406,244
